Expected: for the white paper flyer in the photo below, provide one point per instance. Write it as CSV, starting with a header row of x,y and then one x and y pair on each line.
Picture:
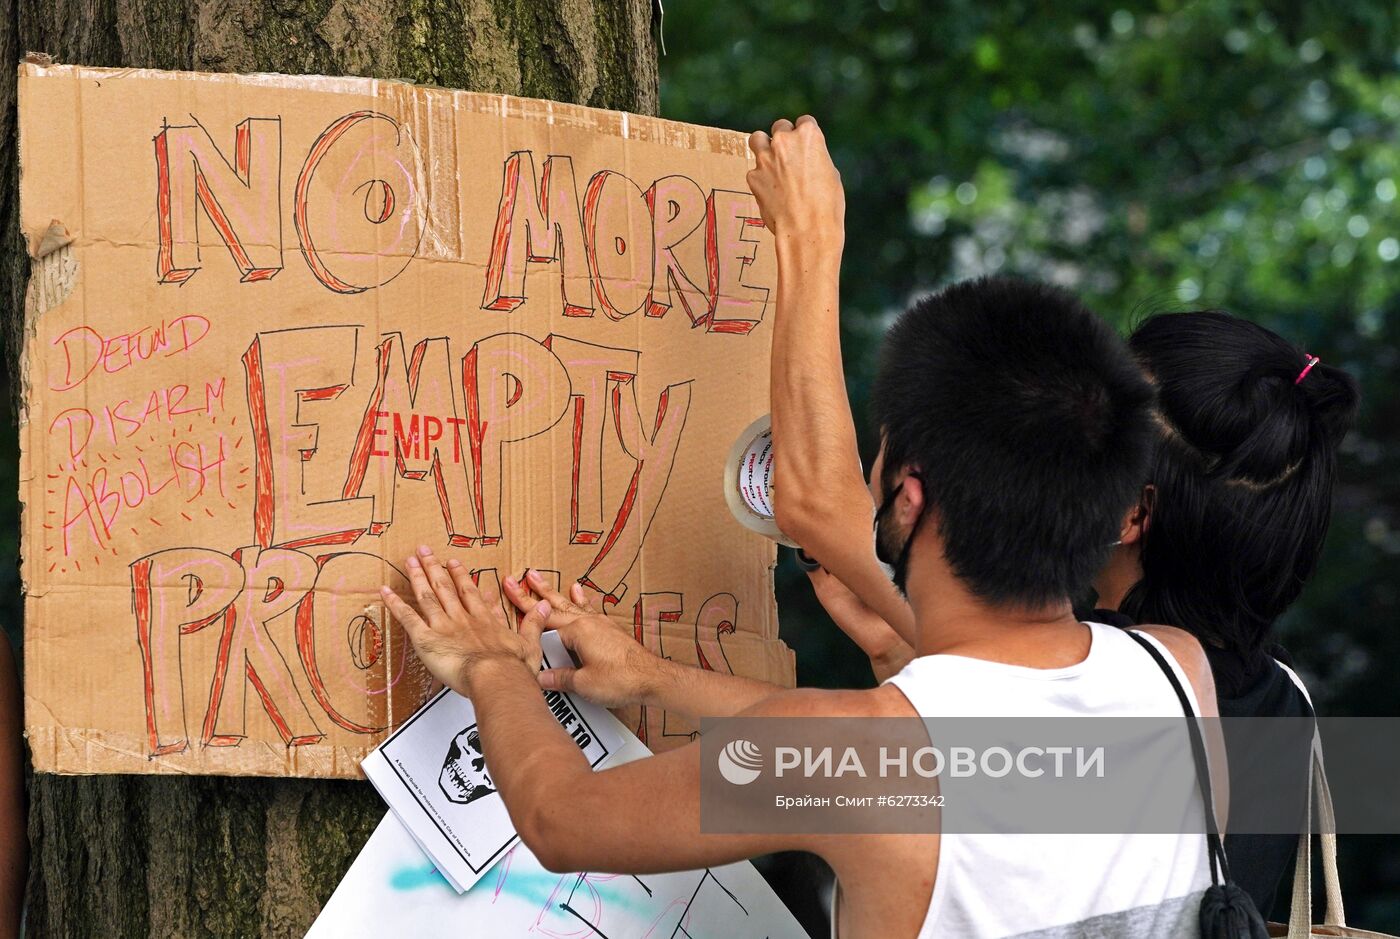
x,y
432,771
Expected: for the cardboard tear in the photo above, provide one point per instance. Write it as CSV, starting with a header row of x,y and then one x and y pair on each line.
x,y
53,272
53,237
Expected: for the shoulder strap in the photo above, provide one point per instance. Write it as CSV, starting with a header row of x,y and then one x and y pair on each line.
x,y
1319,796
1219,867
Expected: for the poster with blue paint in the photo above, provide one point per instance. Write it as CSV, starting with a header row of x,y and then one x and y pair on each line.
x,y
394,889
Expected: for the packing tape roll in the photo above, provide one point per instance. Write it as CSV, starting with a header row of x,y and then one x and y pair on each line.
x,y
748,480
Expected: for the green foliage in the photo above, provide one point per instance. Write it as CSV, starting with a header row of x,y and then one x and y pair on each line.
x,y
1151,156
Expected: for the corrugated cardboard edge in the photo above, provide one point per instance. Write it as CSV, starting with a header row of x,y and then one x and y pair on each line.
x,y
614,123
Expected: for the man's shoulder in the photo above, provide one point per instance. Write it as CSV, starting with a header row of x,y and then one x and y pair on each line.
x,y
884,701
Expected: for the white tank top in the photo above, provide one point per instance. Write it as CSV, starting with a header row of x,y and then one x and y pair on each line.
x,y
1062,885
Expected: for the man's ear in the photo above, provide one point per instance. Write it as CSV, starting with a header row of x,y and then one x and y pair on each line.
x,y
1139,518
912,499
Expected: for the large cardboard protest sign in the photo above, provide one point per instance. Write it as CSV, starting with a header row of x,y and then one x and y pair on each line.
x,y
282,330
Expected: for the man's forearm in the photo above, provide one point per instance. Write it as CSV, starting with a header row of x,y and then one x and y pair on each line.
x,y
817,460
532,759
698,693
821,495
855,565
527,752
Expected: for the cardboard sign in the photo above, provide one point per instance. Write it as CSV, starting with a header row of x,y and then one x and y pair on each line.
x,y
282,330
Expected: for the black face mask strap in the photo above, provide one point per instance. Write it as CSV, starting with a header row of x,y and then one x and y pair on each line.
x,y
898,564
885,505
901,564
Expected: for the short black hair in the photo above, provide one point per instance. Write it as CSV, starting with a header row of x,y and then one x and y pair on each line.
x,y
1030,424
1243,467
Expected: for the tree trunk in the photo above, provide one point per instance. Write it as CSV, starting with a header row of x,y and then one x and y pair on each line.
x,y
117,856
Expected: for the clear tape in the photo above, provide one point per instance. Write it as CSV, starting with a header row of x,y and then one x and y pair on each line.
x,y
748,480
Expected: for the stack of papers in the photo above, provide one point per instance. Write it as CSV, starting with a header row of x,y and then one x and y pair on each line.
x,y
394,889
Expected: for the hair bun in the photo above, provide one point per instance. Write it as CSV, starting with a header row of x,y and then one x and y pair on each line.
x,y
1302,411
1333,396
1244,397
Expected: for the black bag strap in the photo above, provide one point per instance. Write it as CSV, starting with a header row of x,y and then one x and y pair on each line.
x,y
1214,848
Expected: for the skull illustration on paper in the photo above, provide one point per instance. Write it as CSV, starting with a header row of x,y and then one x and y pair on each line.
x,y
464,778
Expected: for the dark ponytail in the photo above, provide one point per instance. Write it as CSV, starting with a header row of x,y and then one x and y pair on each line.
x,y
1243,475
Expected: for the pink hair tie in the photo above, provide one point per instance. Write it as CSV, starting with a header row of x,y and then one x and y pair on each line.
x,y
1312,360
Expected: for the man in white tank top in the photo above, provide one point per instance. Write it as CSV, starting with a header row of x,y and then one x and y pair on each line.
x,y
1015,429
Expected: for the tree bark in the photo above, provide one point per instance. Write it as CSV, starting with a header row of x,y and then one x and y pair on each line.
x,y
117,856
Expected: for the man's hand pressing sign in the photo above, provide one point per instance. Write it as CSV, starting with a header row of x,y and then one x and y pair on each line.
x,y
455,632
615,670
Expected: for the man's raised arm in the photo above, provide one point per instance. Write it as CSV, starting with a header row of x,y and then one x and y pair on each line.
x,y
820,496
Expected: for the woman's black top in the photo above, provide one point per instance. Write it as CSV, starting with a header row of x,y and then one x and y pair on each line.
x,y
1268,761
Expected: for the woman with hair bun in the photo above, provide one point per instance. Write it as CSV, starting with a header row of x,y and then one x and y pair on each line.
x,y
1229,529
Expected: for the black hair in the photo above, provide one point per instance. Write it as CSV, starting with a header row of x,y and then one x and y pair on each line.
x,y
1030,425
1245,461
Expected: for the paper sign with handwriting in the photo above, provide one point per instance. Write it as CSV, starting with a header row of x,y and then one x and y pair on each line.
x,y
282,330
